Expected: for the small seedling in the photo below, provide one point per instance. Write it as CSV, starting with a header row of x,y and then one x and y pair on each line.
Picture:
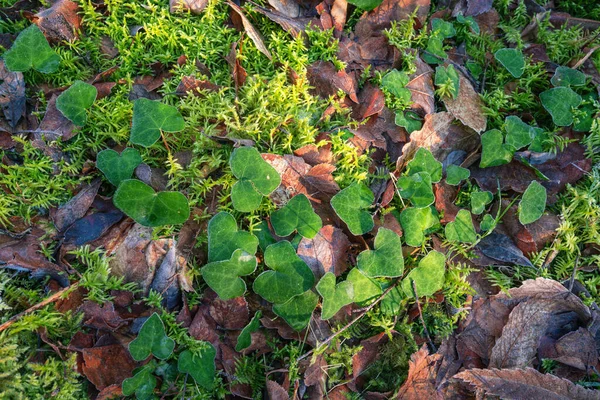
x,y
447,81
150,118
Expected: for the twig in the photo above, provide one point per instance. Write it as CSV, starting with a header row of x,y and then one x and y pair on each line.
x,y
585,58
349,324
36,307
414,289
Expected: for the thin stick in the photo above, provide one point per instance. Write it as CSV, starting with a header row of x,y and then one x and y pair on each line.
x,y
584,59
414,289
36,307
366,310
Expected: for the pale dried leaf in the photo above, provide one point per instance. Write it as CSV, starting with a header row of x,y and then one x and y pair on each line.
x,y
251,30
467,106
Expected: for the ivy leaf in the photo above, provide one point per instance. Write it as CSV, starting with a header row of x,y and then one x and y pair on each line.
x,y
257,178
142,383
415,223
586,113
386,260
263,233
74,102
417,188
565,76
518,133
456,174
244,340
200,366
140,202
470,22
409,120
395,82
559,102
289,275
152,339
493,151
444,28
391,304
479,200
150,118
297,214
533,203
224,276
366,5
350,205
488,223
118,167
365,289
435,46
447,80
428,276
298,310
334,296
31,50
424,161
224,238
512,60
461,230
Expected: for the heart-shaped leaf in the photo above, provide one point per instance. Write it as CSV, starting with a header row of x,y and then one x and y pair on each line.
x,y
493,151
118,168
428,276
152,339
289,275
470,22
200,365
423,161
74,102
417,188
224,238
224,276
518,133
140,202
297,214
512,60
350,205
479,200
560,102
533,203
488,223
334,296
409,120
244,340
447,81
395,82
392,303
150,118
565,76
365,289
456,174
443,28
415,224
141,384
461,230
298,310
586,113
31,50
257,178
435,46
386,260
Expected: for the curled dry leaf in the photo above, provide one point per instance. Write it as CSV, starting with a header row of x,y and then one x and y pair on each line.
x,y
55,125
191,85
193,6
60,22
252,32
275,391
77,207
333,15
294,26
326,252
371,101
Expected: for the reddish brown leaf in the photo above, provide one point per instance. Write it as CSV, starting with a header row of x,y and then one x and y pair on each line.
x,y
327,80
421,88
294,26
191,85
371,101
576,349
203,327
422,372
110,392
333,15
314,155
326,252
60,22
275,391
193,6
55,125
368,354
315,373
230,314
77,207
252,32
101,317
107,365
444,201
467,107
382,132
374,22
237,71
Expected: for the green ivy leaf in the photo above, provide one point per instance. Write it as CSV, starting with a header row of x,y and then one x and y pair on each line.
x,y
224,238
435,46
447,80
444,28
428,276
31,50
415,224
479,200
224,276
289,275
493,151
461,230
350,205
586,113
470,22
150,118
334,296
244,340
263,233
392,303
140,202
409,120
533,203
152,339
200,366
74,102
297,214
366,5
417,188
257,178
118,167
395,82
298,310
565,76
560,102
488,223
512,60
423,161
518,133
386,260
365,289
456,174
141,384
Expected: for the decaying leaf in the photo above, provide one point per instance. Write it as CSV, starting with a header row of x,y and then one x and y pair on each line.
x,y
251,30
326,252
422,373
193,6
12,95
327,80
60,22
467,106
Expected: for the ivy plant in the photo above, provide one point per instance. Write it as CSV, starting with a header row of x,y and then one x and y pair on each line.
x,y
118,167
335,296
416,223
428,276
152,340
224,276
461,230
150,117
31,50
456,174
74,102
560,103
299,215
351,205
532,204
200,365
386,259
512,60
244,340
298,310
224,238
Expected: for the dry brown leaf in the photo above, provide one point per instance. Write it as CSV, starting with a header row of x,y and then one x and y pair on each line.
x,y
12,95
55,125
77,207
60,22
107,365
191,85
576,349
294,26
193,6
467,106
326,252
422,373
230,314
289,8
203,327
237,71
519,384
421,88
327,80
275,391
371,101
252,32
374,22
